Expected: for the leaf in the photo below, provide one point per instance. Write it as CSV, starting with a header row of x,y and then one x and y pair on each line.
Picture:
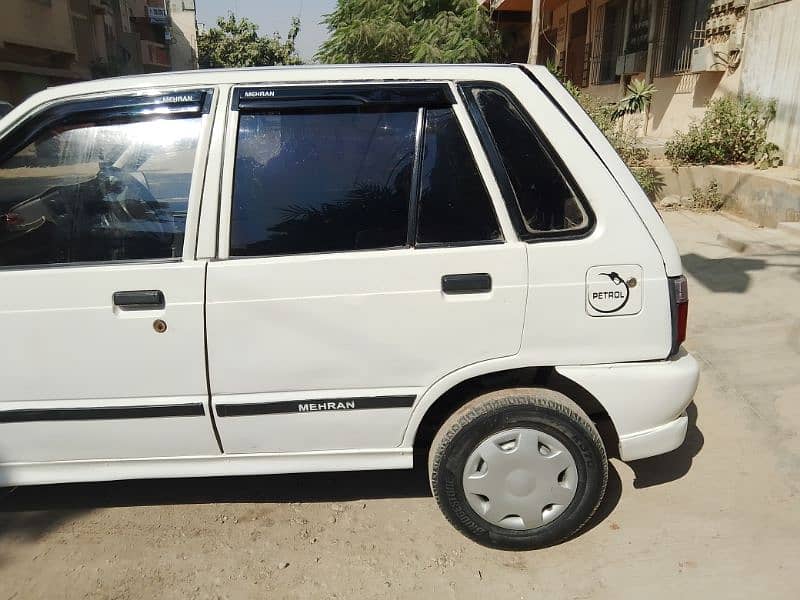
x,y
368,31
236,42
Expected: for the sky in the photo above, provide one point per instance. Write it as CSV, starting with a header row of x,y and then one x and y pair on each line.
x,y
275,15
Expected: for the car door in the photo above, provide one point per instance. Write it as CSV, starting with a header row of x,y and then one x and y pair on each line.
x,y
101,310
363,255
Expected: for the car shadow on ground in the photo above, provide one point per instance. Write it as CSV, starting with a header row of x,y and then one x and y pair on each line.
x,y
673,465
306,487
609,501
30,524
723,275
733,274
30,512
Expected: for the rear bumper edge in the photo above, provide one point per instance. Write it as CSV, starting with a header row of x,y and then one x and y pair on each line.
x,y
658,440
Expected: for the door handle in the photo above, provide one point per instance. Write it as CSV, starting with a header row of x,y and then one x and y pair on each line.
x,y
139,300
467,283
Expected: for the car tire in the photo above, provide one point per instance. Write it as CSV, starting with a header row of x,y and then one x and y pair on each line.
x,y
503,452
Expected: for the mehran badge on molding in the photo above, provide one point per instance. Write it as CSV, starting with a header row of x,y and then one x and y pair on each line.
x,y
613,290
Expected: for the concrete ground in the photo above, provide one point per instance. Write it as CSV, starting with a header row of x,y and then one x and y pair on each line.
x,y
718,518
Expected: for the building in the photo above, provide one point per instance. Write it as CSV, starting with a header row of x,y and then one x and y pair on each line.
x,y
691,50
49,42
183,42
771,68
168,33
602,44
37,48
104,39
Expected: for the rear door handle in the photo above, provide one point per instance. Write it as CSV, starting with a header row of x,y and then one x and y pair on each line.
x,y
139,300
467,283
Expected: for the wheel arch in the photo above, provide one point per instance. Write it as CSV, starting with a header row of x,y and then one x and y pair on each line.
x,y
448,395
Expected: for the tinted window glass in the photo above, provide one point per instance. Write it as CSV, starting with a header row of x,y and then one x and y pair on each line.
x,y
322,181
545,199
98,192
454,205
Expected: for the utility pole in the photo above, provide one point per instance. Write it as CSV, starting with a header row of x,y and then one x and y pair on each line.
x,y
628,16
651,52
533,49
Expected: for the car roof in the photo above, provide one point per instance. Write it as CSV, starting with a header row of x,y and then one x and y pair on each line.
x,y
256,75
260,75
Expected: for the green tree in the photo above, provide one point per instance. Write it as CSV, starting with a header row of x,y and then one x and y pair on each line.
x,y
237,43
390,31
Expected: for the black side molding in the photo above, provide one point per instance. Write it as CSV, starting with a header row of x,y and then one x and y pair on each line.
x,y
314,405
467,283
30,415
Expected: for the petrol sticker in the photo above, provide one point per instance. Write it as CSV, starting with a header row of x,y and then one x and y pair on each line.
x,y
613,290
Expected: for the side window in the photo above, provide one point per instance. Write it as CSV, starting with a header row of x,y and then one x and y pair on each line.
x,y
545,199
98,191
322,180
454,205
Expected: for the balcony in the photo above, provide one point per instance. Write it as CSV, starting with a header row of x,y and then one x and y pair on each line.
x,y
157,16
155,55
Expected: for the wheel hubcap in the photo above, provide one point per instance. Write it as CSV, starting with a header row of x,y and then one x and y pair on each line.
x,y
520,478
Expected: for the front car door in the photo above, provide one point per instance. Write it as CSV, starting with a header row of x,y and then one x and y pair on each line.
x,y
101,310
364,254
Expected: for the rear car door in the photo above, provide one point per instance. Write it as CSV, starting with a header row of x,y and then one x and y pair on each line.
x,y
101,310
363,254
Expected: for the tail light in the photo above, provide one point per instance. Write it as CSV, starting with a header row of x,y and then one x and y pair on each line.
x,y
679,305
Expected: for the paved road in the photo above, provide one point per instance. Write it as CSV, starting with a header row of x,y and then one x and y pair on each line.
x,y
719,518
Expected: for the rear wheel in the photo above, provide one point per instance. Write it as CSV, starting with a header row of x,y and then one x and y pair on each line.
x,y
518,469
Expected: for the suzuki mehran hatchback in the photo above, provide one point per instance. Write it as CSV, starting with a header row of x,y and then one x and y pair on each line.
x,y
318,269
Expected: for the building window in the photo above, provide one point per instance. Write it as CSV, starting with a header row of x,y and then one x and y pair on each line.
x,y
576,63
609,24
157,15
640,24
683,23
125,16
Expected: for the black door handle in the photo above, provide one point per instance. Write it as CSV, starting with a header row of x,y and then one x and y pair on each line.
x,y
140,299
467,283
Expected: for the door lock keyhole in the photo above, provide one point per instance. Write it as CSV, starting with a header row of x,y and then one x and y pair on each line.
x,y
160,325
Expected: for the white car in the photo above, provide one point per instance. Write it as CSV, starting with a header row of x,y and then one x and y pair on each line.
x,y
330,268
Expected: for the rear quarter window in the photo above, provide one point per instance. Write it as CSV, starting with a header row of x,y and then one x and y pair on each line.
x,y
537,188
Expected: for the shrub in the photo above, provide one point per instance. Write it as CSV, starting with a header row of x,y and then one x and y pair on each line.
x,y
707,198
622,136
639,96
733,130
649,179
